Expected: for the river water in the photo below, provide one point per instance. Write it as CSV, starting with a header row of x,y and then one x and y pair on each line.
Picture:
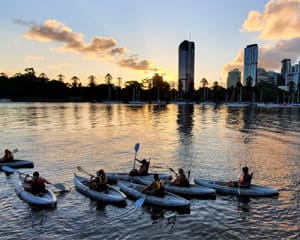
x,y
212,141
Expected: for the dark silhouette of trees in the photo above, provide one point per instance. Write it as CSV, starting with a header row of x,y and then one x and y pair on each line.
x,y
29,86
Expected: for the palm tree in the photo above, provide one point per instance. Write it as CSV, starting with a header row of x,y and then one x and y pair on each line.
x,y
92,80
75,82
60,77
204,83
108,79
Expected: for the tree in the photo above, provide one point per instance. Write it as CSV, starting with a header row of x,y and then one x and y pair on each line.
x,y
108,78
204,83
291,86
75,82
60,77
30,71
92,80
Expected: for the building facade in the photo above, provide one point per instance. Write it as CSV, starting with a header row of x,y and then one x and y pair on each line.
x,y
233,78
250,64
290,73
186,65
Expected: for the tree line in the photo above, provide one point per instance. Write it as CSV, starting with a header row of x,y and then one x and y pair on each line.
x,y
30,87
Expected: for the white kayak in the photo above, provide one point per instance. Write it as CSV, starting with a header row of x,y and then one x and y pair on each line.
x,y
45,199
115,176
134,191
110,195
253,191
193,190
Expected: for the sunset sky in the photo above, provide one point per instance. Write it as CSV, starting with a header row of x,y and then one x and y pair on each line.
x,y
133,39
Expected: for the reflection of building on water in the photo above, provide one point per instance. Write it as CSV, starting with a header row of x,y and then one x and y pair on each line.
x,y
185,118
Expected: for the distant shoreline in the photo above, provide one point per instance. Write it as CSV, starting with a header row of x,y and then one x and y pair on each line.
x,y
229,104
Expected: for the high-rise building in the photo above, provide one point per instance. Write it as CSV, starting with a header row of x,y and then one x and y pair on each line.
x,y
250,64
290,73
186,65
234,76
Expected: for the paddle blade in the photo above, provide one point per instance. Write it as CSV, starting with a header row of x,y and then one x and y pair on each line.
x,y
8,169
15,150
139,202
80,169
137,147
59,186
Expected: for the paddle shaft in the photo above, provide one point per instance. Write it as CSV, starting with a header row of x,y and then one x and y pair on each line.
x,y
136,149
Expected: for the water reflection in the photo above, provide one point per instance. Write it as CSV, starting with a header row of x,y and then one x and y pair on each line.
x,y
211,141
93,115
185,120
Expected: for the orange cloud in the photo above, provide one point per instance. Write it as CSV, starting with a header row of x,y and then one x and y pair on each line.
x,y
279,20
133,62
100,47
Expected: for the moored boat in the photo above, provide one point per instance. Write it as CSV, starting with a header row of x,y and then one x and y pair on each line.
x,y
253,191
193,190
17,163
45,199
170,200
110,195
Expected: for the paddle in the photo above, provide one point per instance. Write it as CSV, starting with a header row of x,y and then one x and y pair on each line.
x,y
8,169
172,170
80,169
140,201
15,150
136,149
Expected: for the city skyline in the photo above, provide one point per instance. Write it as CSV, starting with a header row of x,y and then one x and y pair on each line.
x,y
133,40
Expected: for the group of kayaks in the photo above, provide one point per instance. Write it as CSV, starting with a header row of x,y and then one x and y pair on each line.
x,y
132,187
174,197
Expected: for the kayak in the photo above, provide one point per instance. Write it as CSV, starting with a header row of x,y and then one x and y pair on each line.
x,y
110,195
134,191
46,199
253,191
17,163
193,190
115,176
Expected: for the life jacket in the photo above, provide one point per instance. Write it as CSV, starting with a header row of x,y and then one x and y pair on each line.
x,y
159,184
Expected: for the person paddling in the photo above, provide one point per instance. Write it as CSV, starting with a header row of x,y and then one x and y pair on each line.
x,y
244,181
156,187
36,183
99,182
8,156
143,170
181,179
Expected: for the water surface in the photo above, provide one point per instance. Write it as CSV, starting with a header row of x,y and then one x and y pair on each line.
x,y
211,141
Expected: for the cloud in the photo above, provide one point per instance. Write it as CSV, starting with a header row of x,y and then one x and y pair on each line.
x,y
134,63
279,20
280,23
269,56
99,47
23,22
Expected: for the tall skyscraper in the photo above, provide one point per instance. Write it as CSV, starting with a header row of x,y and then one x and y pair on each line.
x,y
250,64
186,66
234,76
